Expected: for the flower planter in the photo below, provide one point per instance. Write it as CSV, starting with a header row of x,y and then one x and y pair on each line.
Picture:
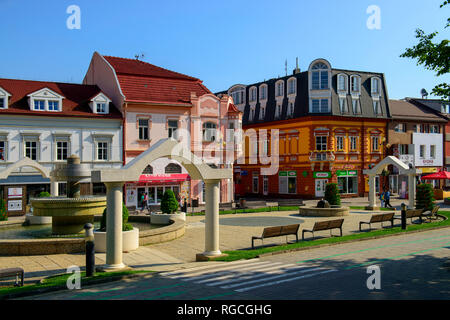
x,y
163,218
130,240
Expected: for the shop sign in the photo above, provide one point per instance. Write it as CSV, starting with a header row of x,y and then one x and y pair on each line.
x,y
321,175
244,172
292,173
15,192
283,173
347,173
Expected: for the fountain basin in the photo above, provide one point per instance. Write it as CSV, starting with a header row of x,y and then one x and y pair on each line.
x,y
69,215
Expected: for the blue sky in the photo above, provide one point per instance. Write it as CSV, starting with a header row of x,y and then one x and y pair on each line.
x,y
220,42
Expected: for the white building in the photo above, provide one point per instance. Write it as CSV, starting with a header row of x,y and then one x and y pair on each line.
x,y
47,122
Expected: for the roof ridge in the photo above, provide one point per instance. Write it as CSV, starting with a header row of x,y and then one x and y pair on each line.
x,y
54,82
153,65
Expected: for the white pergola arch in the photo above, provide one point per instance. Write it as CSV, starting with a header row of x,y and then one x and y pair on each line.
x,y
114,180
403,168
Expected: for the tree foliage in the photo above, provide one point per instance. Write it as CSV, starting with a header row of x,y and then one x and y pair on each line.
x,y
434,56
3,214
425,197
169,203
332,194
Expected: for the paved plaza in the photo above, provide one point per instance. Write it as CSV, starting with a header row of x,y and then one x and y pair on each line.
x,y
236,231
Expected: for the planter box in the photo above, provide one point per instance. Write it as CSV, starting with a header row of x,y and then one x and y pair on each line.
x,y
162,218
130,240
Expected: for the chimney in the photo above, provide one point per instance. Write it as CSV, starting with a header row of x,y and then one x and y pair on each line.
x,y
297,69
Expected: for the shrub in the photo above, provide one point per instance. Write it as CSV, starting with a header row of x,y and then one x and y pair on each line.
x,y
125,225
169,203
332,194
3,214
44,194
425,197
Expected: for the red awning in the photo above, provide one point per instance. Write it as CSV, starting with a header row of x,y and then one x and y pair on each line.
x,y
163,178
437,176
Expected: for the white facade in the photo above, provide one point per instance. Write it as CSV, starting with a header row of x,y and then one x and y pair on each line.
x,y
81,136
428,149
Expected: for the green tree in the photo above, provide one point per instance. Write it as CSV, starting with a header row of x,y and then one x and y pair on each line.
x,y
332,194
434,56
125,225
169,203
3,214
44,194
425,197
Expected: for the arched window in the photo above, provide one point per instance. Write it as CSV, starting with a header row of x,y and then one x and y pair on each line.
x,y
148,170
375,85
253,94
238,94
342,82
263,92
319,73
292,86
279,88
209,131
173,168
355,84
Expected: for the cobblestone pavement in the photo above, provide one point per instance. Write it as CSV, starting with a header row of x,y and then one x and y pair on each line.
x,y
236,231
412,266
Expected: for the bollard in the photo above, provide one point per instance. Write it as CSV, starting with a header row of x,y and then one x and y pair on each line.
x,y
90,249
403,216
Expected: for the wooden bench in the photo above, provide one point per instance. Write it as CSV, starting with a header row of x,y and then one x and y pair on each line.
x,y
379,218
431,214
271,232
325,225
13,272
411,214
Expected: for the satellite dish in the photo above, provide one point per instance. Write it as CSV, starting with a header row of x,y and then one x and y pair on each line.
x,y
424,93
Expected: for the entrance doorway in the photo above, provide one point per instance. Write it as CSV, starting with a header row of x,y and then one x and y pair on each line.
x,y
320,187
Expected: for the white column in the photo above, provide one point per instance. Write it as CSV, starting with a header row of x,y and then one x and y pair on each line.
x,y
411,190
54,192
372,191
114,225
212,218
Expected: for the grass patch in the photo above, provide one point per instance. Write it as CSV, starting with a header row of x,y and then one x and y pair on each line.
x,y
265,209
364,208
250,254
59,281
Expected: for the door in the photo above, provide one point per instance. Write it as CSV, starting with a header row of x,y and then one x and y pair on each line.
x,y
320,187
265,185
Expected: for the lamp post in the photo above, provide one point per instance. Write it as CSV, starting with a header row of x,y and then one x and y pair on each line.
x,y
403,216
90,249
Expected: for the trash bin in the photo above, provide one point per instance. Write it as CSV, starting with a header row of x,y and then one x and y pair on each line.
x,y
242,203
194,203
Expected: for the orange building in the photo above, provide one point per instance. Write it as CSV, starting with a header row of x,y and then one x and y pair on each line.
x,y
331,123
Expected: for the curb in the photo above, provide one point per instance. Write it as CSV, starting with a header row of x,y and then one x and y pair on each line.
x,y
347,241
59,288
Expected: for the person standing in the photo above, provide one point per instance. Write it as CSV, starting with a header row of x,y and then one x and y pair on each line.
x,y
382,198
387,199
145,205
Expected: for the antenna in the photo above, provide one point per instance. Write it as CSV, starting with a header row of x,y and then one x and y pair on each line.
x,y
285,66
139,56
424,93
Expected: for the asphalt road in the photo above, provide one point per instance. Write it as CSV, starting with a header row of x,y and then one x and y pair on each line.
x,y
412,266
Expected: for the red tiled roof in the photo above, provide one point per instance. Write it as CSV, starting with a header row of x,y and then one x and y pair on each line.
x,y
232,109
75,103
142,81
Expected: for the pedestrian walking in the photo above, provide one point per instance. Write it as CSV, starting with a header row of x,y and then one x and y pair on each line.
x,y
145,205
387,199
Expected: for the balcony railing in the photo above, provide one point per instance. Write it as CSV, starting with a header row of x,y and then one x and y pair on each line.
x,y
322,156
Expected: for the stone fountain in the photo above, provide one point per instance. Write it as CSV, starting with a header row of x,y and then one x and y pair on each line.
x,y
69,215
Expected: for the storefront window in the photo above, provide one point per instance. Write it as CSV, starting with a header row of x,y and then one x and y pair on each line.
x,y
159,194
347,181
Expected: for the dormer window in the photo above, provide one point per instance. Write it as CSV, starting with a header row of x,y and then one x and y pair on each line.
x,y
4,99
45,100
290,110
263,92
39,105
100,104
262,113
238,94
252,94
292,84
278,111
279,88
101,108
375,86
342,83
319,74
355,84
